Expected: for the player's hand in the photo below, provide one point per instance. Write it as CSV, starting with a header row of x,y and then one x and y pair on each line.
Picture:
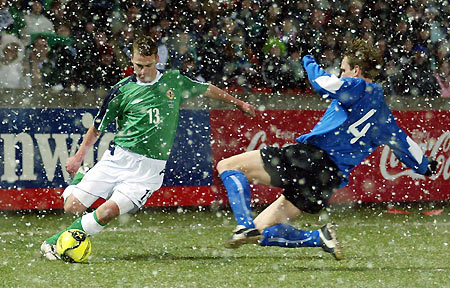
x,y
72,165
248,109
432,167
307,49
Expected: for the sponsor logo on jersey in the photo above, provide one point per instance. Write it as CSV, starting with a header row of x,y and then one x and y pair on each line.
x,y
170,94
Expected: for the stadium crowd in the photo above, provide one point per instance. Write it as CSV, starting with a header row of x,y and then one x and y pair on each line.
x,y
245,45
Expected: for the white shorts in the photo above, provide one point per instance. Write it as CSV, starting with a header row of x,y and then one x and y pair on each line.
x,y
131,174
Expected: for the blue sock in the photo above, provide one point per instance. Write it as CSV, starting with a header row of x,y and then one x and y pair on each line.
x,y
238,190
285,235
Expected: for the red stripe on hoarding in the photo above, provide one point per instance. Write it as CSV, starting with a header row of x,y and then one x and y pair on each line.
x,y
182,196
50,198
34,198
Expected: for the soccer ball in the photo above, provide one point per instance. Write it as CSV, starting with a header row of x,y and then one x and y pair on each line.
x,y
73,246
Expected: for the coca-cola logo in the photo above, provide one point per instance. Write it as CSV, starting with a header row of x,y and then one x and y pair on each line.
x,y
389,163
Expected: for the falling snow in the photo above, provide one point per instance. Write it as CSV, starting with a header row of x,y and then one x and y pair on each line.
x,y
60,58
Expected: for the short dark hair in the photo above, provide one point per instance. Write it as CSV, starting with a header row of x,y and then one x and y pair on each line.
x,y
145,45
360,52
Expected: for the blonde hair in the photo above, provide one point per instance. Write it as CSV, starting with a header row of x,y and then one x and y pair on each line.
x,y
360,52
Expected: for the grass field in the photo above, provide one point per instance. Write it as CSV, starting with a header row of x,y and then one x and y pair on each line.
x,y
183,248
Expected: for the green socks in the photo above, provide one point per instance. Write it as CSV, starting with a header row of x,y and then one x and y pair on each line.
x,y
90,223
75,225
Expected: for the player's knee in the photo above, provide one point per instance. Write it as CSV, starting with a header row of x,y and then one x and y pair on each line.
x,y
73,207
76,201
224,165
123,203
106,213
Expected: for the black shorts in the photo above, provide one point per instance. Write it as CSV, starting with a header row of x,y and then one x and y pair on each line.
x,y
306,173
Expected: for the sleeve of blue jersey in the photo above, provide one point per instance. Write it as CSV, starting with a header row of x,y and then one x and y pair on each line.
x,y
409,161
406,151
346,90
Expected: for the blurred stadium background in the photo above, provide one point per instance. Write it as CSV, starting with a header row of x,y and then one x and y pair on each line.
x,y
59,58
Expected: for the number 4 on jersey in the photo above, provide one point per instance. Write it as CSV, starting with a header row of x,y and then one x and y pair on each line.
x,y
358,134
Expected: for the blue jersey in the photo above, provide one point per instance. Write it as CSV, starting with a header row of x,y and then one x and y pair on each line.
x,y
357,121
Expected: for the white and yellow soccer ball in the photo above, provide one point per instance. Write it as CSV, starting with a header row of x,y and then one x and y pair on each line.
x,y
74,245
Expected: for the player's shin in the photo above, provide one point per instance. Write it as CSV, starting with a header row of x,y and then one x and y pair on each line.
x,y
87,223
238,190
285,235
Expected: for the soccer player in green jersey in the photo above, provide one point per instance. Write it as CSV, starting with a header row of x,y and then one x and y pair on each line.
x,y
146,106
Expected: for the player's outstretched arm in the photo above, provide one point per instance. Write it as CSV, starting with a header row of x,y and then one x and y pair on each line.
x,y
216,93
74,163
409,152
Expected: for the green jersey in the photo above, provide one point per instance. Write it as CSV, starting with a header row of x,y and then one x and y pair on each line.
x,y
147,113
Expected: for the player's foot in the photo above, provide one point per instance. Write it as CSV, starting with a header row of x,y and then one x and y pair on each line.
x,y
49,251
242,235
329,241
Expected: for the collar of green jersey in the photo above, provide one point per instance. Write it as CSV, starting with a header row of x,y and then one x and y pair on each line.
x,y
158,76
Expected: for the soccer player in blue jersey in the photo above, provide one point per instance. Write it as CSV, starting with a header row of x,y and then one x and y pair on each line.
x,y
356,122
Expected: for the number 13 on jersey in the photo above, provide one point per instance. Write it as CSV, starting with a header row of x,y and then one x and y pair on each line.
x,y
154,115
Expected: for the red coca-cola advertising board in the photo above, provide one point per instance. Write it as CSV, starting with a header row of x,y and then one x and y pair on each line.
x,y
380,178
